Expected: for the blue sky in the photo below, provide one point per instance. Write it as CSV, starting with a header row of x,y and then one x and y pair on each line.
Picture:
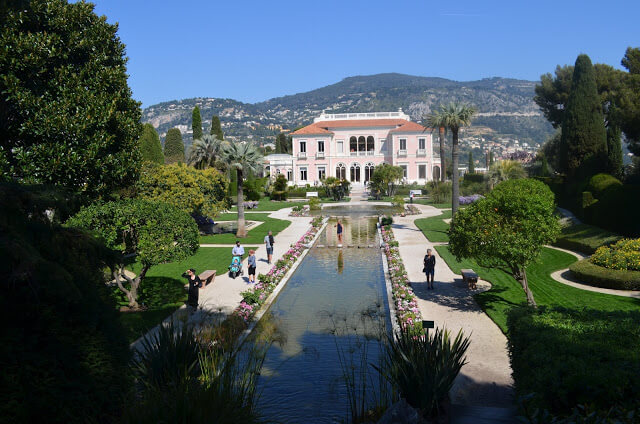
x,y
255,50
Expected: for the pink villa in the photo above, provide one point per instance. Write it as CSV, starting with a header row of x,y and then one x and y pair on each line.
x,y
350,145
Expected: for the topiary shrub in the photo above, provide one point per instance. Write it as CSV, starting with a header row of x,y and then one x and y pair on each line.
x,y
601,183
588,273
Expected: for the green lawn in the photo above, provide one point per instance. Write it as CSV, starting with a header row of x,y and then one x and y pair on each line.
x,y
162,291
265,204
585,238
255,235
507,292
328,200
434,228
444,205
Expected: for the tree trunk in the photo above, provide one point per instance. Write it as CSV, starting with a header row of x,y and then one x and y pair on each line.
x,y
134,284
455,176
443,167
522,278
242,231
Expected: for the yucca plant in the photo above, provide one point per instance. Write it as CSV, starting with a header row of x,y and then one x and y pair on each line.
x,y
423,368
168,358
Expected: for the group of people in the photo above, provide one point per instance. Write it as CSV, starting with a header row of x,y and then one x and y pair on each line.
x,y
194,282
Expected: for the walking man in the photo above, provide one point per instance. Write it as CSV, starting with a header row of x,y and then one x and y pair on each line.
x,y
237,250
268,243
429,268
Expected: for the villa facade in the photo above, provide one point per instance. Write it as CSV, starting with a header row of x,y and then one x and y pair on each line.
x,y
349,146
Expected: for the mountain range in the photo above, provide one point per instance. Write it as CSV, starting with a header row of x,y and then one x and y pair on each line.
x,y
505,107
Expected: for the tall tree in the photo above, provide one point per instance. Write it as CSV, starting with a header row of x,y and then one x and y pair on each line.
x,y
583,144
614,144
453,116
150,146
173,147
283,144
243,158
508,228
66,112
216,128
435,120
196,123
630,100
472,168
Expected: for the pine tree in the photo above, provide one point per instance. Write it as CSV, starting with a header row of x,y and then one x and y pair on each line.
x,y
196,123
173,147
216,127
583,145
471,166
150,146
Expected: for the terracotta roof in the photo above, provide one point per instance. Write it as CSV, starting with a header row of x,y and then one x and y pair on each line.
x,y
322,127
409,127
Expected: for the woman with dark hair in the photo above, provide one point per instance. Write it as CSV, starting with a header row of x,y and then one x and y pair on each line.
x,y
194,287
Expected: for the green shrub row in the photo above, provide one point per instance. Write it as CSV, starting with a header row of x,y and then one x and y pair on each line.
x,y
566,357
597,276
585,238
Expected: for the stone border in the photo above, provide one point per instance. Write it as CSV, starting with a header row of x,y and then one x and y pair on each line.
x,y
274,294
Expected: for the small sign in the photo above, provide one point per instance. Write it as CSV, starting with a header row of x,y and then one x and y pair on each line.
x,y
428,324
312,194
415,192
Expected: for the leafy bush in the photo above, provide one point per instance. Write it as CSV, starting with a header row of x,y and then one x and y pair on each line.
x,y
568,357
314,204
473,178
594,275
423,368
387,220
398,201
584,238
601,183
624,255
251,297
440,192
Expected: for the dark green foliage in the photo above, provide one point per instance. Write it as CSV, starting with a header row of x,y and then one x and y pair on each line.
x,y
253,188
423,369
585,238
279,191
567,357
196,123
216,128
614,150
630,100
63,353
173,147
544,167
150,146
283,144
551,150
594,275
471,177
66,109
601,184
471,165
583,143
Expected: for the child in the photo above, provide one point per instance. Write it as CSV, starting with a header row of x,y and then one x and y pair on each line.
x,y
251,261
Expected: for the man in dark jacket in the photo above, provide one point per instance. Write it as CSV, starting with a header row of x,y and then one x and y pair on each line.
x,y
429,268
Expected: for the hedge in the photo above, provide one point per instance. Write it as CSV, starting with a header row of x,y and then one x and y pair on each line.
x,y
585,238
598,276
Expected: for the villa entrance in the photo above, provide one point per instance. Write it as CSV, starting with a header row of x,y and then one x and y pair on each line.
x,y
355,173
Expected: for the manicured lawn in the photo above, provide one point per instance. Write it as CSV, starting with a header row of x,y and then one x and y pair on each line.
x,y
265,204
444,205
162,291
255,235
434,228
585,238
507,292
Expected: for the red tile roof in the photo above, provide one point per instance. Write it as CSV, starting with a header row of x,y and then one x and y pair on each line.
x,y
323,127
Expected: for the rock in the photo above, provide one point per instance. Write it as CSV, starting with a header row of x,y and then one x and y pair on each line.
x,y
400,413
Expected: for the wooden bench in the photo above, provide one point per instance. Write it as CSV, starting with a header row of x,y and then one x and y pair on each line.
x,y
469,277
207,277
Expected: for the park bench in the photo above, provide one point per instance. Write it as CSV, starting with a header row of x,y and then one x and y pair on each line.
x,y
312,194
207,277
469,277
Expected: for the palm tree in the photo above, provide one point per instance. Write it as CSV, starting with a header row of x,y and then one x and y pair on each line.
x,y
205,152
243,157
505,170
454,116
435,120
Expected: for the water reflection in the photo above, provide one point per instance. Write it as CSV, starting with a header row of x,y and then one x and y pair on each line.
x,y
324,312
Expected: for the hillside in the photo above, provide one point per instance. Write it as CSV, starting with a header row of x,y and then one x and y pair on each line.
x,y
505,106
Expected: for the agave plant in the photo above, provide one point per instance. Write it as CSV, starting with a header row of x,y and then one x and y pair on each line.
x,y
423,369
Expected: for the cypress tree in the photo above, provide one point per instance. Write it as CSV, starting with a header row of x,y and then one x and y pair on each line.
x,y
614,148
471,166
216,127
173,147
196,123
583,144
491,157
150,146
544,168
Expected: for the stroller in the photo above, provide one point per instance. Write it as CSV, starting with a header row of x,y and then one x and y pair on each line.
x,y
235,268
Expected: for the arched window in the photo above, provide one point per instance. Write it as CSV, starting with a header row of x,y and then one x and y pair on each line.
x,y
436,173
370,144
353,145
341,171
368,171
361,144
355,172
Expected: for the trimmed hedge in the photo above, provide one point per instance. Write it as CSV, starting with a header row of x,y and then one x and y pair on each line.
x,y
585,238
598,276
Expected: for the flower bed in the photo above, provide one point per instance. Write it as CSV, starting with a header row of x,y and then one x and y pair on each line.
x,y
406,303
467,200
300,211
255,297
623,256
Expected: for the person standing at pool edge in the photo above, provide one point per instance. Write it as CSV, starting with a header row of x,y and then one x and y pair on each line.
x,y
339,227
429,268
268,242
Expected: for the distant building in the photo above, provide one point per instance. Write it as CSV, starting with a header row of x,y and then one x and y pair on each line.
x,y
349,146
